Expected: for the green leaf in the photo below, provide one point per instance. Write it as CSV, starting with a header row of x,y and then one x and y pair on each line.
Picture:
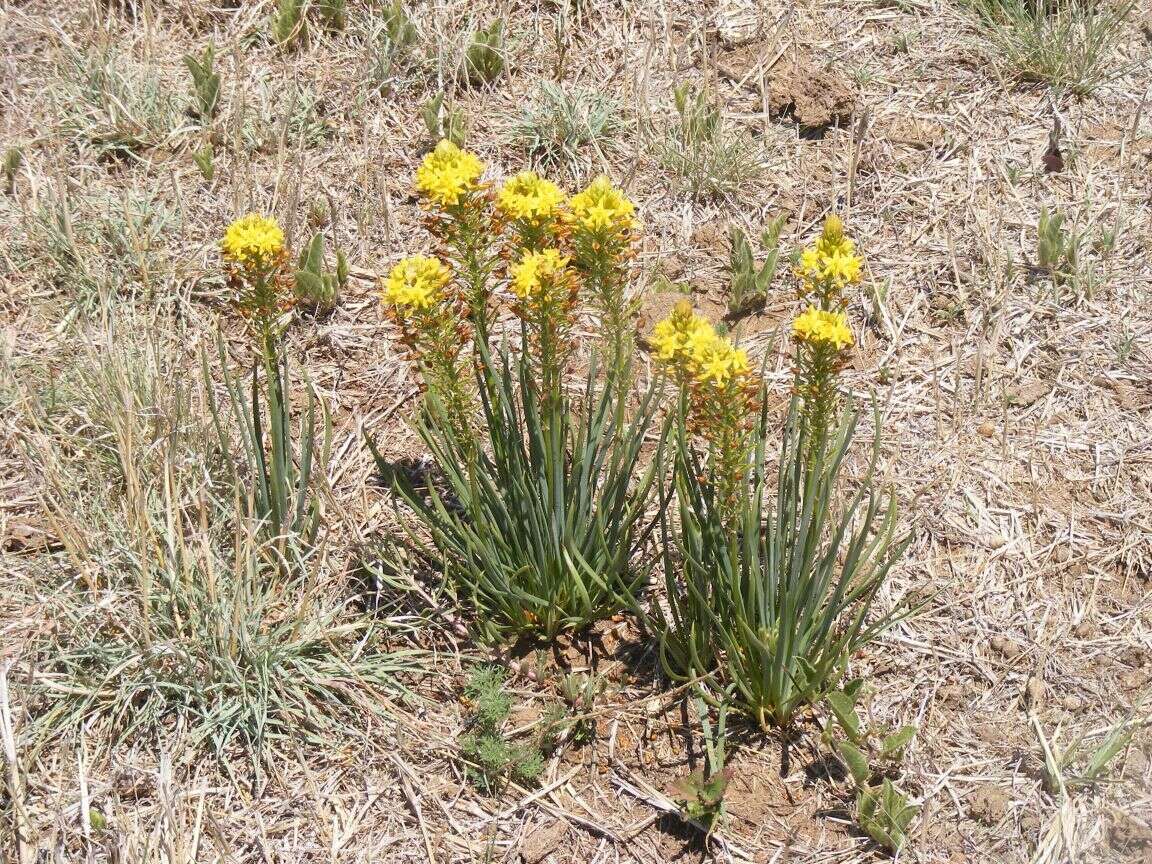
x,y
893,746
204,161
856,761
884,813
309,286
844,709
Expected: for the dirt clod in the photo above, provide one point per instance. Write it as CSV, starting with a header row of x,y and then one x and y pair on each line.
x,y
989,804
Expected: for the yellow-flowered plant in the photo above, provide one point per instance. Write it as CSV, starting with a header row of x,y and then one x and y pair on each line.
x,y
417,283
678,339
821,332
280,469
603,209
535,271
533,205
420,298
718,393
769,581
547,288
448,175
829,265
546,514
253,243
602,227
818,327
450,183
254,253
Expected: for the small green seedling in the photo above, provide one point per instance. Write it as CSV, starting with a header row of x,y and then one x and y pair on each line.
x,y
315,286
1069,767
443,122
580,692
1058,250
701,794
333,14
288,25
204,159
13,159
702,151
399,30
484,59
749,283
883,812
494,760
205,83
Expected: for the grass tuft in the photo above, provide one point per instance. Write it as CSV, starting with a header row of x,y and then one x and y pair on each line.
x,y
1065,44
176,613
559,125
702,152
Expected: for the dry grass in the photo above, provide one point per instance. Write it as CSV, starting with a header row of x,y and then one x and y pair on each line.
x,y
1017,436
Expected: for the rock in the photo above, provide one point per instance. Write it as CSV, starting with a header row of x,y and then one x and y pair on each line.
x,y
542,841
1005,647
1129,833
1028,393
1084,630
988,804
1034,693
799,87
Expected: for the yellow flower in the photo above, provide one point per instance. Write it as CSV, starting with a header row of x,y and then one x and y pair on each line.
x,y
827,328
603,207
448,173
833,258
416,282
680,337
254,242
529,196
842,268
534,268
721,361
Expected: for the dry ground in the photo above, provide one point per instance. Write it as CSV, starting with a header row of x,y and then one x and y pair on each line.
x,y
1017,422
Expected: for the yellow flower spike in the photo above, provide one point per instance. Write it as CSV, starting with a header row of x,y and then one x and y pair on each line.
x,y
681,337
721,361
416,283
253,242
534,267
603,207
816,326
529,196
833,229
448,173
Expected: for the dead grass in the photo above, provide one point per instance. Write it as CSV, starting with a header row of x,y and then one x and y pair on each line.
x,y
1017,436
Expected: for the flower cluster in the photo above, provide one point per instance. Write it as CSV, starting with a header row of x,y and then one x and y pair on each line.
x,y
416,283
448,174
603,209
547,250
535,269
690,346
530,198
820,327
254,251
720,362
719,389
253,244
831,264
822,333
677,340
